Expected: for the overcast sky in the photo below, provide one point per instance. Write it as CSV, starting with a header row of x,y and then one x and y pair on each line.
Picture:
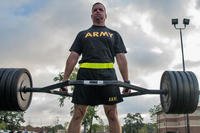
x,y
37,34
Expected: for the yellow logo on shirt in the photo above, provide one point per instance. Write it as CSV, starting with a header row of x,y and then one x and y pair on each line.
x,y
98,34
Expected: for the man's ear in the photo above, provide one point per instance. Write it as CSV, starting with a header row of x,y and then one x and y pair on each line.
x,y
106,15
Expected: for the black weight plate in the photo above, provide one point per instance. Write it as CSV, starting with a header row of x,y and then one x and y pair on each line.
x,y
22,78
2,70
2,86
168,101
173,94
194,93
186,91
191,87
180,93
164,85
7,89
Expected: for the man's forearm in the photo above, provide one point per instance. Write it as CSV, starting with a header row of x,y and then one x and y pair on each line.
x,y
70,64
123,66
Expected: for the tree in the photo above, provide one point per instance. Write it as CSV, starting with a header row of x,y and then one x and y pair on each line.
x,y
148,128
88,119
2,125
133,122
153,111
98,127
59,78
53,129
66,124
58,127
12,120
151,127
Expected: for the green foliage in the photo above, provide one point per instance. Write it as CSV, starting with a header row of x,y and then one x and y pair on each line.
x,y
66,124
59,78
54,129
151,127
89,116
133,122
153,111
2,125
11,120
148,128
97,127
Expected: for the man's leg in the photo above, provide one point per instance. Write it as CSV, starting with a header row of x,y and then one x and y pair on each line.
x,y
75,124
112,115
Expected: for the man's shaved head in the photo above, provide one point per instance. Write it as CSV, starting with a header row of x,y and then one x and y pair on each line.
x,y
97,4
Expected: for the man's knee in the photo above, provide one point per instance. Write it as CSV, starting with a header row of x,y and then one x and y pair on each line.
x,y
111,114
79,112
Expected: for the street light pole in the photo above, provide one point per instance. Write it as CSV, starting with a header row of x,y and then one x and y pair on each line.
x,y
185,22
183,60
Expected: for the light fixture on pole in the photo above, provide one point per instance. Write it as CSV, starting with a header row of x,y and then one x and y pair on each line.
x,y
185,22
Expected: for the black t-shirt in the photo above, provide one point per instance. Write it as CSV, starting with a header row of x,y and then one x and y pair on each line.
x,y
98,44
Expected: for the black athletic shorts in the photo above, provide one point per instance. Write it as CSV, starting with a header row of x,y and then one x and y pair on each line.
x,y
96,95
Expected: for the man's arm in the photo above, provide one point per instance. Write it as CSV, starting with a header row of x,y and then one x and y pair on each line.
x,y
70,64
123,65
123,68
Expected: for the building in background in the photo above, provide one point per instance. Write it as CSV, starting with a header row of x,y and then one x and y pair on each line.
x,y
177,123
